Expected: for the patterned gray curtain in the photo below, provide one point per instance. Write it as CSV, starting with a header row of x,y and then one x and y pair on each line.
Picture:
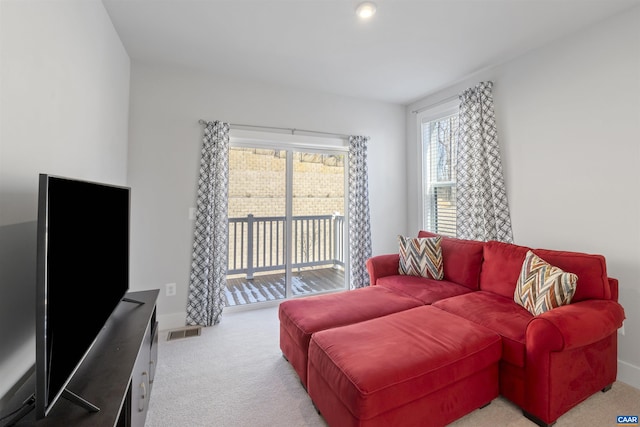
x,y
209,260
482,207
359,220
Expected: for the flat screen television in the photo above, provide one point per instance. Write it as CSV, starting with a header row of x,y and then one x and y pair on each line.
x,y
82,275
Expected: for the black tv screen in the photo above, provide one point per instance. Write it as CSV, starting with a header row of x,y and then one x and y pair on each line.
x,y
83,273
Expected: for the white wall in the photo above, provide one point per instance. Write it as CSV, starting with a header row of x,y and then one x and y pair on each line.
x,y
64,98
568,120
164,153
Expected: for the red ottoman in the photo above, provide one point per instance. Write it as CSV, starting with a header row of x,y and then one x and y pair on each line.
x,y
299,318
420,367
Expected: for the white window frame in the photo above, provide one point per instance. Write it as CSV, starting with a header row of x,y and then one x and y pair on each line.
x,y
428,115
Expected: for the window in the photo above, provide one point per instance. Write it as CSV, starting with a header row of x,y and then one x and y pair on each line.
x,y
438,129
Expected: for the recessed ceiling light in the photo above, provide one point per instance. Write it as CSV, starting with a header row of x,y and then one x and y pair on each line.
x,y
366,10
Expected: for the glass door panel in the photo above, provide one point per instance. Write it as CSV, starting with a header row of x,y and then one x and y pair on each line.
x,y
257,226
317,223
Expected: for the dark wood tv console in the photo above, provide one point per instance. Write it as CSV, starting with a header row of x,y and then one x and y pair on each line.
x,y
117,374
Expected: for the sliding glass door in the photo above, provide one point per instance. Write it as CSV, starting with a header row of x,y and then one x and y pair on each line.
x,y
286,223
317,222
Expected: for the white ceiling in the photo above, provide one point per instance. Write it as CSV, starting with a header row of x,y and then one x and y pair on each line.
x,y
408,50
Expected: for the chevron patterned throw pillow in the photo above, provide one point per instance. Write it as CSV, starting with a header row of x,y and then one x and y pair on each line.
x,y
421,256
541,286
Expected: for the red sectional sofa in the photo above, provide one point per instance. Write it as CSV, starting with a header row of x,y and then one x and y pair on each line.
x,y
548,363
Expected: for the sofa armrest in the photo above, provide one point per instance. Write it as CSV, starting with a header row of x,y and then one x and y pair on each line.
x,y
381,266
613,284
571,353
574,325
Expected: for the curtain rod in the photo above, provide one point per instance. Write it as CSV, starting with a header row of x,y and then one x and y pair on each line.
x,y
443,101
292,130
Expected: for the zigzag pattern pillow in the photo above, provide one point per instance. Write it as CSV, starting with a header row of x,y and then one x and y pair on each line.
x,y
421,256
542,287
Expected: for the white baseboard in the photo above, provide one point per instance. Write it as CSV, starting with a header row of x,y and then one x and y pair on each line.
x,y
629,374
171,320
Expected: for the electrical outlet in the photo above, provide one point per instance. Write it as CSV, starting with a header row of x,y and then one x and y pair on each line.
x,y
170,289
621,330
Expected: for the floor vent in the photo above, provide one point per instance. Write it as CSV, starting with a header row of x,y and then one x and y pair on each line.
x,y
189,331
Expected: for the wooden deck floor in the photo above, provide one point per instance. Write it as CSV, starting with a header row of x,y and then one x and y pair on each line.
x,y
241,291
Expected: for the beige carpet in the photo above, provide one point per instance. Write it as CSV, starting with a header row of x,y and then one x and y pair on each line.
x,y
233,375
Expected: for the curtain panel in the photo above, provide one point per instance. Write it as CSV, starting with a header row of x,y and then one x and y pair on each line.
x,y
209,259
359,217
482,207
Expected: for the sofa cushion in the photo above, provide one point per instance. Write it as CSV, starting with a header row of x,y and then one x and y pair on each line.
x,y
304,316
506,318
420,257
425,290
590,269
385,363
301,317
501,267
461,259
503,261
542,286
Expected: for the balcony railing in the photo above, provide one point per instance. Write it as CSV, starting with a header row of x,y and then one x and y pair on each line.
x,y
258,244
